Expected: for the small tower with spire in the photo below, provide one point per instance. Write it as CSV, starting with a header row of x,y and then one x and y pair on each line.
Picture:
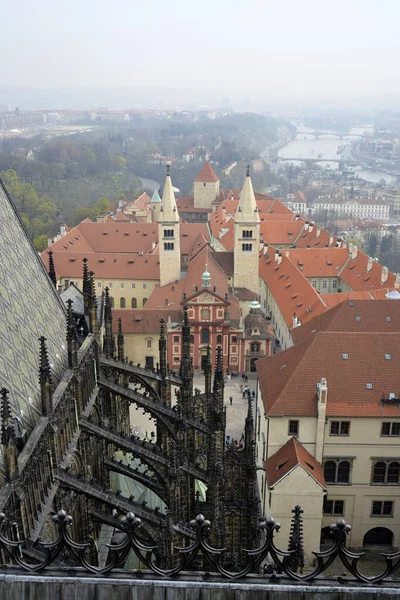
x,y
206,279
155,205
247,239
206,187
168,235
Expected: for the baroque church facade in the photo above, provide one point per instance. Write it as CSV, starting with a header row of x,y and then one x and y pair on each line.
x,y
66,392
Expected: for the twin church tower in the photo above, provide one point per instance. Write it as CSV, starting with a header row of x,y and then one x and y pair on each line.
x,y
246,229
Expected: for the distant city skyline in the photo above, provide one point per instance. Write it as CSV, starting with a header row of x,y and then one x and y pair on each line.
x,y
162,54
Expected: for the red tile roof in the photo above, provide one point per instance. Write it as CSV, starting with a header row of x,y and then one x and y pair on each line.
x,y
207,174
143,321
118,238
292,292
186,204
107,265
348,361
319,262
354,316
356,276
289,457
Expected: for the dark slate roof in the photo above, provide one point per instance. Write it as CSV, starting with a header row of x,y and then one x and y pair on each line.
x,y
225,261
257,321
74,294
29,308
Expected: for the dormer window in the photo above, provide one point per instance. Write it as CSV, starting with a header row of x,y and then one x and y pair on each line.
x,y
255,332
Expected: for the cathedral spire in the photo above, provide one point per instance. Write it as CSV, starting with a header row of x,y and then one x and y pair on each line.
x,y
86,286
72,340
249,430
208,372
120,341
92,304
52,271
169,211
162,346
108,337
218,384
8,442
5,416
247,207
45,379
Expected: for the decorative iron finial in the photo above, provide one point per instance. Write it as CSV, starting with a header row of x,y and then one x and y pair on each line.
x,y
296,546
248,171
52,271
168,168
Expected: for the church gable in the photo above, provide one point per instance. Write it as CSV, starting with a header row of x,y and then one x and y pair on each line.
x,y
207,298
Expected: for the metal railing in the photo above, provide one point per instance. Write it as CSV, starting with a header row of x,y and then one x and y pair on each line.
x,y
47,554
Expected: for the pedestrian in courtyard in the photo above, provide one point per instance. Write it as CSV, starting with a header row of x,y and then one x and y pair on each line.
x,y
230,400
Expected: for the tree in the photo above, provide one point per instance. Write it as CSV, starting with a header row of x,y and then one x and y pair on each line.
x,y
40,242
101,206
386,244
372,244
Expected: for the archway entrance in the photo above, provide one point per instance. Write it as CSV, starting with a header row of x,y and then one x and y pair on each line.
x,y
378,536
327,539
253,365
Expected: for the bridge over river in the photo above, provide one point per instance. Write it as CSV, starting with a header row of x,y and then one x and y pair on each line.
x,y
318,134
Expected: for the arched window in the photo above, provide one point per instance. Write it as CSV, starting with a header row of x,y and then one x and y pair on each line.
x,y
386,472
134,303
393,472
379,472
343,472
330,471
255,347
337,471
144,301
219,340
247,247
122,303
148,343
112,301
205,335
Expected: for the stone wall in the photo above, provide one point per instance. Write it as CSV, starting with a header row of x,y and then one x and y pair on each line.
x,y
15,586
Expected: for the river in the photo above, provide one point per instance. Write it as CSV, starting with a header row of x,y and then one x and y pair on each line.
x,y
306,146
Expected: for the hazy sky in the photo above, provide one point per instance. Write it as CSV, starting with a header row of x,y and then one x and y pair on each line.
x,y
279,49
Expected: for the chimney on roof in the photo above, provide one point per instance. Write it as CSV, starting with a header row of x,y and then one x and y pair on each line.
x,y
322,399
311,227
344,244
279,259
369,264
331,240
384,276
265,249
306,226
318,232
297,217
397,282
287,252
354,251
276,255
296,321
